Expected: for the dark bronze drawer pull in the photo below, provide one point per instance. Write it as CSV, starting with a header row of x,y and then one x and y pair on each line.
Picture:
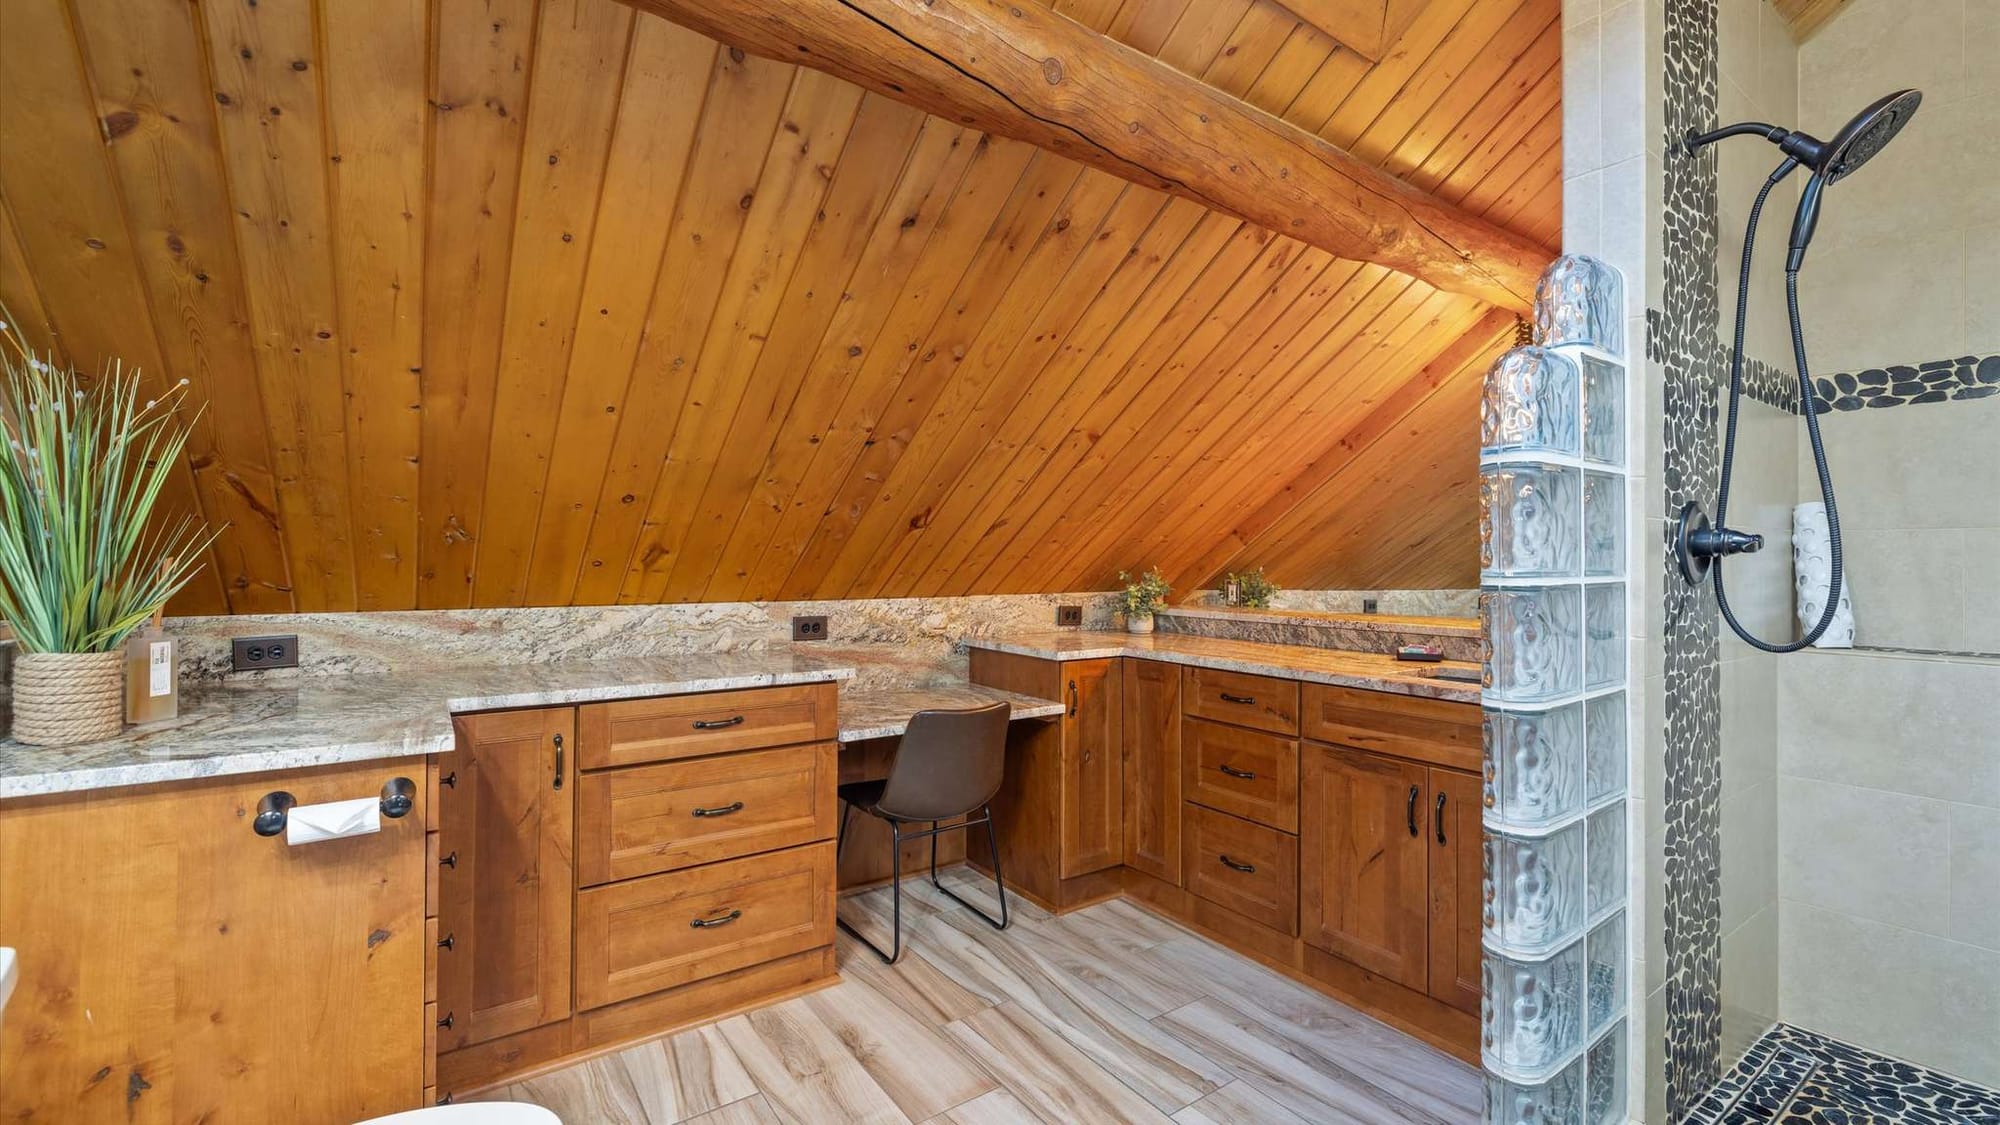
x,y
718,724
450,861
1246,868
1228,698
559,762
448,941
447,1021
1440,818
711,923
1246,775
450,780
721,810
1411,811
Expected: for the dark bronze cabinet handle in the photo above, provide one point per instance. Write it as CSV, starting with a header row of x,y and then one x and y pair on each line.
x,y
1247,775
1411,811
450,780
1072,699
559,761
450,861
448,941
1246,868
447,1021
1228,698
710,923
1440,818
721,810
718,724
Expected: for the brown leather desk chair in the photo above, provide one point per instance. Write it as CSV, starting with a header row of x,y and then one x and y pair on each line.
x,y
948,764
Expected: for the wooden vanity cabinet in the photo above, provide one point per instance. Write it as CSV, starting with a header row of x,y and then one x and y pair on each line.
x,y
1093,831
507,818
1152,719
1365,895
1457,866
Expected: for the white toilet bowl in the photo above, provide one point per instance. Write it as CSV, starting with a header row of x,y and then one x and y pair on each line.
x,y
471,1113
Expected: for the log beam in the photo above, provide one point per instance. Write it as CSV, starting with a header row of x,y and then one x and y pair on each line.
x,y
1020,70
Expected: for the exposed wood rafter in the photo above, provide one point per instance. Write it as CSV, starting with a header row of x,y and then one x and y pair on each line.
x,y
1025,72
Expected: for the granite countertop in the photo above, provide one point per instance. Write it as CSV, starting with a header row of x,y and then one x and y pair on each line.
x,y
1369,622
1371,671
885,712
252,727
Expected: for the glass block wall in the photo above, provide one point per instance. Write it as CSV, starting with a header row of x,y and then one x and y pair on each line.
x,y
1552,614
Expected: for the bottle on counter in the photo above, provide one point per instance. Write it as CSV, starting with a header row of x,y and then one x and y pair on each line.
x,y
152,672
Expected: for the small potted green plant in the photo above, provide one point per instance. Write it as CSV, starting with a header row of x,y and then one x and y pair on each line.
x,y
1142,596
1251,588
82,564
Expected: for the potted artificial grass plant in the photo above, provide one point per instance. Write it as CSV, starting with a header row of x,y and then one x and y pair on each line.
x,y
1142,596
81,567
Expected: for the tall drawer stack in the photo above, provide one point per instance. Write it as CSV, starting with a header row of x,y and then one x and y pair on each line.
x,y
1240,784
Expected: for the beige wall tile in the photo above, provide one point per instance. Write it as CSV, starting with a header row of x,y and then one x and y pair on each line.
x,y
1864,308
1982,590
1582,141
1975,877
1749,980
1874,47
1749,722
1864,852
1909,586
1982,288
1749,853
1912,725
1912,466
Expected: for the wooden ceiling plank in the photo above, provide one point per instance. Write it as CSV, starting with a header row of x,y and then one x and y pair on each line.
x,y
937,163
1254,304
1093,14
1467,112
484,52
1544,138
972,339
652,147
1200,34
990,198
1466,357
1269,328
1092,297
1476,51
1263,31
376,62
567,139
1804,17
805,150
870,168
1121,112
19,294
270,112
1367,27
1173,254
739,118
1304,52
152,96
1210,303
1379,87
1144,25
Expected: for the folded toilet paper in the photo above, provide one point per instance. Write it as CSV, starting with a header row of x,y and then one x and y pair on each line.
x,y
309,824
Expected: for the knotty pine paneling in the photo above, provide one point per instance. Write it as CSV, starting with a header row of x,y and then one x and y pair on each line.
x,y
500,302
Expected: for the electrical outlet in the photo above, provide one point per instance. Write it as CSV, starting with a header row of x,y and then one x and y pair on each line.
x,y
812,628
1069,615
250,654
1370,605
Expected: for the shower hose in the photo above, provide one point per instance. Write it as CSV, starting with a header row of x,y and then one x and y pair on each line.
x,y
1808,404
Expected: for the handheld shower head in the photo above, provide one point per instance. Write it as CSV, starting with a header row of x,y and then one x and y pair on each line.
x,y
1867,134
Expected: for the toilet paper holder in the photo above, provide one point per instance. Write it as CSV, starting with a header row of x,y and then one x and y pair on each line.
x,y
399,796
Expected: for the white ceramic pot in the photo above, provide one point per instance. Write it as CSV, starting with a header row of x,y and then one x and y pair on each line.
x,y
1138,622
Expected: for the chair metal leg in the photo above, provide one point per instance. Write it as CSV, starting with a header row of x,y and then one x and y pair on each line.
x,y
999,885
895,894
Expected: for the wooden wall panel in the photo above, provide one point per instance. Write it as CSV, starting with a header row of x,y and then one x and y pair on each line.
x,y
501,302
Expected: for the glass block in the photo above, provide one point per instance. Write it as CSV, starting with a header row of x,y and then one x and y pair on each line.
x,y
1580,300
1604,752
1531,404
1531,642
1604,955
1559,1101
1603,524
1603,410
1604,636
1528,519
1534,766
1532,893
1531,1023
1604,1079
1605,868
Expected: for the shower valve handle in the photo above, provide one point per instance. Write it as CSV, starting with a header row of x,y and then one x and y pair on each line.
x,y
1716,541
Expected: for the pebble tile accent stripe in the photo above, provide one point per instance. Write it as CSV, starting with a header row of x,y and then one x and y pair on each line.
x,y
1940,380
1791,1076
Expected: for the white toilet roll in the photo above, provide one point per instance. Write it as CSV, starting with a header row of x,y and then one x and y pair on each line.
x,y
309,824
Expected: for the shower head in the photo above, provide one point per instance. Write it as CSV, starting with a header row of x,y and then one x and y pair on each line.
x,y
1868,133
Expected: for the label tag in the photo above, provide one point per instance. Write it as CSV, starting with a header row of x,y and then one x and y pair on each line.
x,y
162,668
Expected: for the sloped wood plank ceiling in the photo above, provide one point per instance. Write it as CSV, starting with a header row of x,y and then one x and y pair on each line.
x,y
503,302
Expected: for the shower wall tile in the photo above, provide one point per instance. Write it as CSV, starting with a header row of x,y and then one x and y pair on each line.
x,y
1906,994
1864,852
1922,726
1749,722
1982,281
1623,88
1861,310
1910,587
1749,857
1980,612
1975,877
1750,978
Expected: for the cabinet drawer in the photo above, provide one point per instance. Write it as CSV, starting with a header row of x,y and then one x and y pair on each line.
x,y
633,731
662,931
1243,866
1241,698
646,819
1245,772
1441,732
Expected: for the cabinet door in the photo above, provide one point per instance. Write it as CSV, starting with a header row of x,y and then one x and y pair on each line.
x,y
1455,872
1364,895
509,816
1152,719
1093,780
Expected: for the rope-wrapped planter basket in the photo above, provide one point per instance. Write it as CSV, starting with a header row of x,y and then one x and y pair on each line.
x,y
62,698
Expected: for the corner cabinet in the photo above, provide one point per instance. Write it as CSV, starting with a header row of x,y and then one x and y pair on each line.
x,y
1151,693
506,803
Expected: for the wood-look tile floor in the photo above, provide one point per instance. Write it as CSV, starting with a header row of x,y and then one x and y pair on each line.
x,y
1107,1014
